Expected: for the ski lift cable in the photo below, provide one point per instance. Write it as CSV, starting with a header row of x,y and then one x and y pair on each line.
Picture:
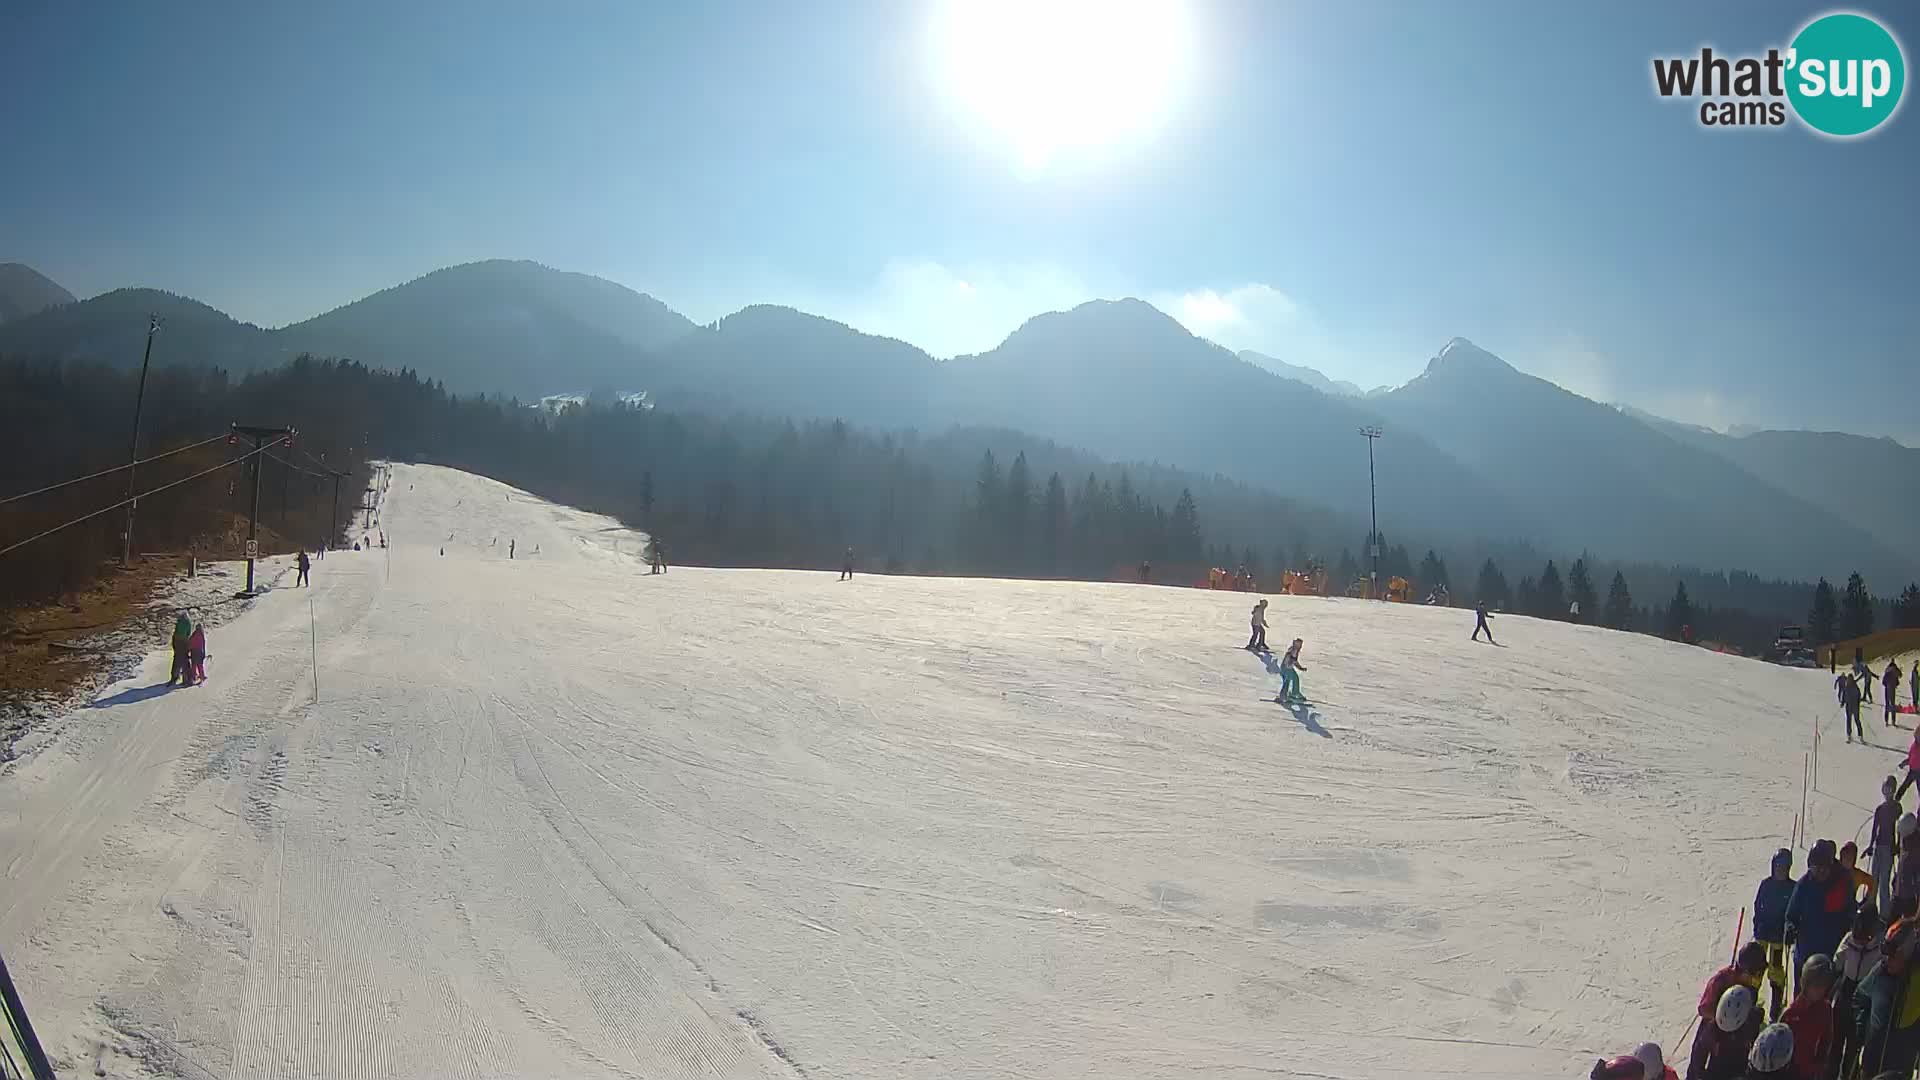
x,y
145,494
108,472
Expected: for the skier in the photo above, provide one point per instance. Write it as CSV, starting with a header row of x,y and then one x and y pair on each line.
x,y
1772,1055
1890,682
1728,1028
1653,1062
1573,611
1290,669
1913,765
1625,1067
510,546
1859,954
1146,574
1480,618
1883,844
1811,1018
1257,641
846,566
182,672
197,654
1850,706
305,565
1821,908
1906,871
1770,926
1863,673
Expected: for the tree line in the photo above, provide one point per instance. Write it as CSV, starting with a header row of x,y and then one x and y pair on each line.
x,y
743,490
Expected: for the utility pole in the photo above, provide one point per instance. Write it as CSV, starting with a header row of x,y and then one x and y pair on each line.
x,y
260,437
37,1066
133,454
1373,503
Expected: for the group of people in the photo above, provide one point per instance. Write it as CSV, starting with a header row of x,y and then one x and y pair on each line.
x,y
1855,686
1290,667
189,653
1837,952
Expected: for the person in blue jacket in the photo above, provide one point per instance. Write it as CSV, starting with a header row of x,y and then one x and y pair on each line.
x,y
1770,926
1820,911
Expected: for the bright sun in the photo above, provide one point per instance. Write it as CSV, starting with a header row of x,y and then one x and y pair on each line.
x,y
1055,80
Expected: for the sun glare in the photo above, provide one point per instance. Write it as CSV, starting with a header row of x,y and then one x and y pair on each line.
x,y
1050,81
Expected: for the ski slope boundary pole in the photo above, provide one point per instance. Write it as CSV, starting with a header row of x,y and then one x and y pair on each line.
x,y
313,630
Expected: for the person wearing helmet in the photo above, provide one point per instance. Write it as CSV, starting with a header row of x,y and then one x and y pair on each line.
x,y
1720,1049
1772,1055
1257,641
1821,909
1653,1063
1711,1043
1859,956
1290,669
1625,1067
1770,925
1811,1017
1883,843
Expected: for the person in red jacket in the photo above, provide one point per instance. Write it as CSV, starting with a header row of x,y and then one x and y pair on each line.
x,y
1811,1018
1715,1044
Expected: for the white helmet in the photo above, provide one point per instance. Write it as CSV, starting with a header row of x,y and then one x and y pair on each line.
x,y
1652,1061
1906,825
1772,1051
1735,1008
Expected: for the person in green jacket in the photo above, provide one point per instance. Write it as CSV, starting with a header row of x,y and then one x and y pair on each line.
x,y
182,672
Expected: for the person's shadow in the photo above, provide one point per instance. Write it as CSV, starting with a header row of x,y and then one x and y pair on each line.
x,y
1307,718
131,695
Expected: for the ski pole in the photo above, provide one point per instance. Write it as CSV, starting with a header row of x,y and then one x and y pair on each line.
x,y
1738,927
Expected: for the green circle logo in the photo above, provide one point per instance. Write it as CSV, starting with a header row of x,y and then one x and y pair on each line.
x,y
1845,74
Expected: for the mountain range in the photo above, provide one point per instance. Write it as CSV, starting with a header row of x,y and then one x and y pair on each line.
x,y
1473,448
24,291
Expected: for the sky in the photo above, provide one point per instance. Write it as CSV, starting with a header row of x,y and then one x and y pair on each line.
x,y
1345,186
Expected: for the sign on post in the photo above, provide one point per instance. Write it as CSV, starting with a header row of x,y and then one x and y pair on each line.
x,y
253,549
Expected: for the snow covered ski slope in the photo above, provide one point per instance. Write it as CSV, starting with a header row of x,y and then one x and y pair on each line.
x,y
556,817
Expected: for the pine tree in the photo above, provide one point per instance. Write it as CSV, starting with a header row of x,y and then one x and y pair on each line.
x,y
1680,614
1345,572
1492,589
1433,573
1015,512
1054,525
1526,597
1619,612
1906,610
646,496
1580,590
1823,620
1550,596
1856,608
989,496
1183,541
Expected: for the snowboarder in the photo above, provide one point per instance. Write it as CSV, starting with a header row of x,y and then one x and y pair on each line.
x,y
1850,705
305,564
846,566
1883,844
1480,618
181,673
1890,682
510,545
1257,641
1770,926
1290,669
197,654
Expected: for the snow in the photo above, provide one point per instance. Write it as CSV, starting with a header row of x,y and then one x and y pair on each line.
x,y
554,816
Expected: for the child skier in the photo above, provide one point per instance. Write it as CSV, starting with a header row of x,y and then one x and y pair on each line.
x,y
1859,954
1653,1063
182,671
1480,618
1811,1018
1890,682
1257,641
1728,1028
197,654
1290,669
1772,1056
1770,926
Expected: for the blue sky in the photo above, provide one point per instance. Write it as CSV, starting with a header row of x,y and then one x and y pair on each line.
x,y
1342,185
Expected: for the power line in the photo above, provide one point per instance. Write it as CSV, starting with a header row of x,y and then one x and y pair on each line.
x,y
298,469
125,502
107,472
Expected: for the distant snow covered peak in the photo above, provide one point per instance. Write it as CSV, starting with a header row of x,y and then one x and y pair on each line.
x,y
559,403
1459,354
